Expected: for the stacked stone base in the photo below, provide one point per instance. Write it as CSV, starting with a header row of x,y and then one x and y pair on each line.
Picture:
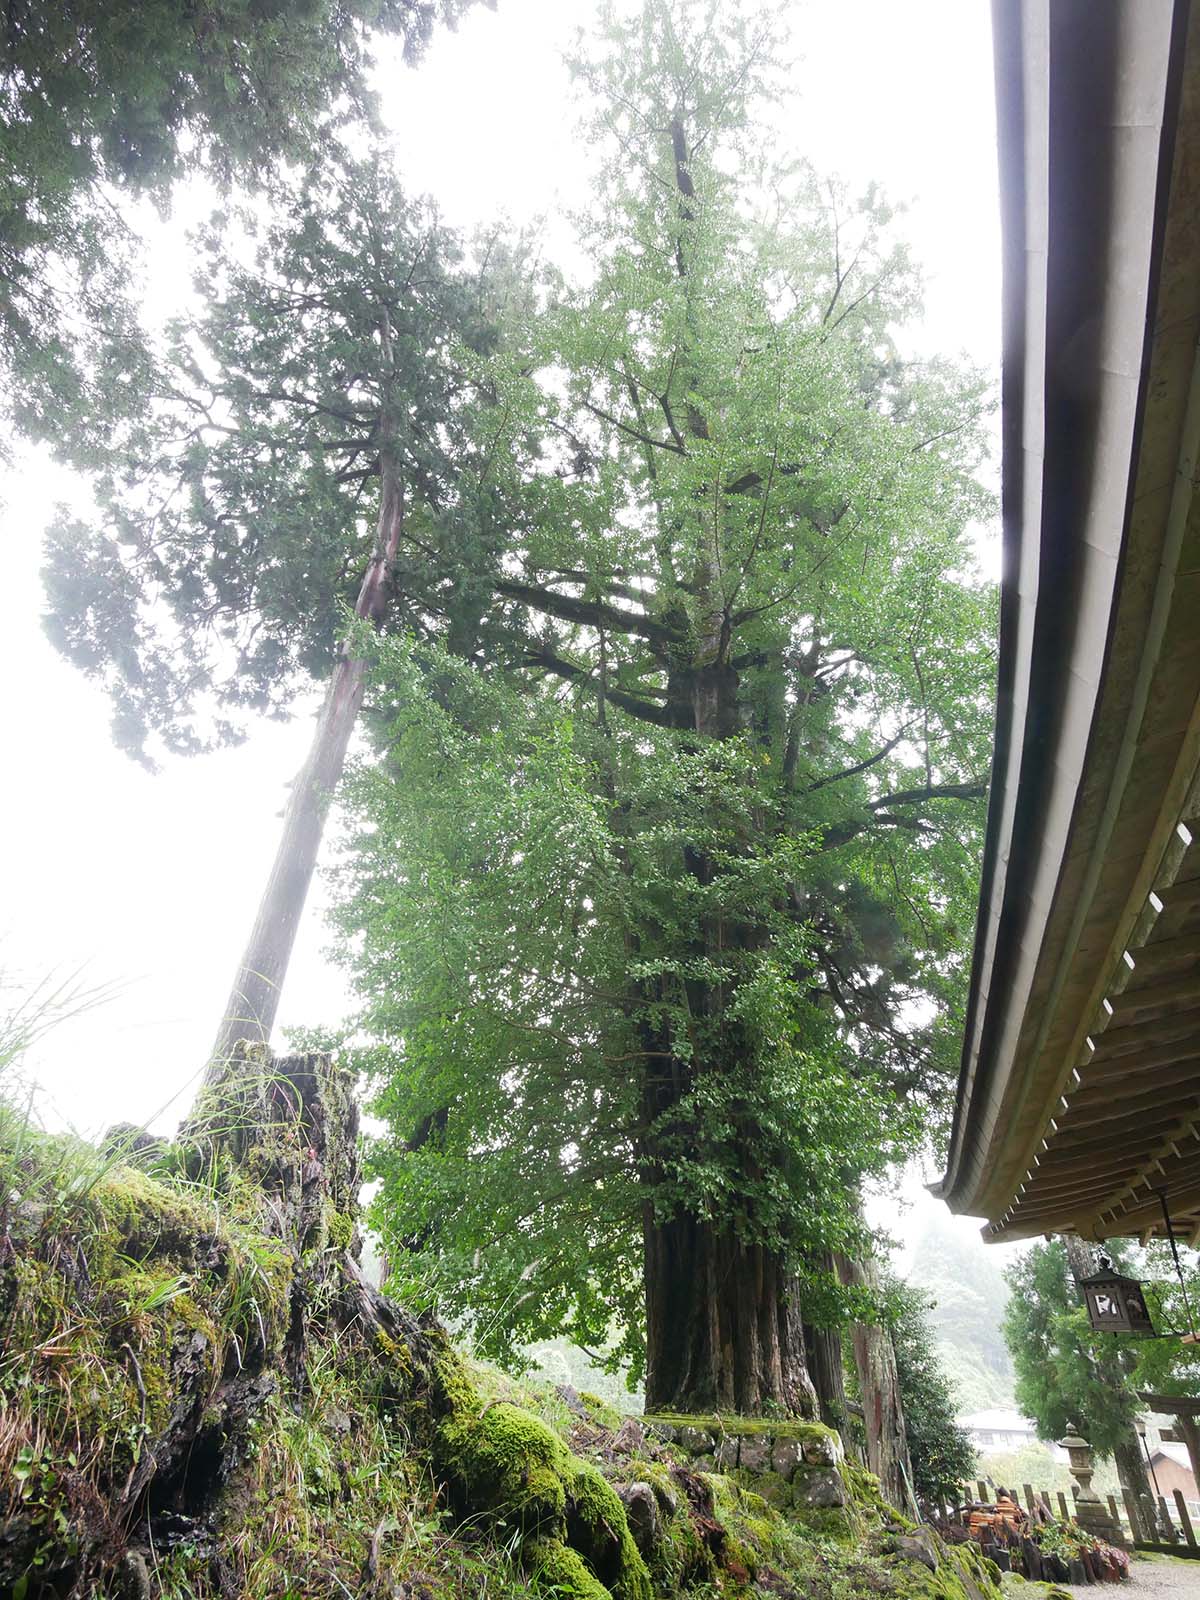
x,y
792,1465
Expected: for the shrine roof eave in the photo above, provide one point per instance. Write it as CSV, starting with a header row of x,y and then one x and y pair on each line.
x,y
1079,1091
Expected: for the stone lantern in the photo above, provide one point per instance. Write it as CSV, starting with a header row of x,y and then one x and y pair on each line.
x,y
1090,1511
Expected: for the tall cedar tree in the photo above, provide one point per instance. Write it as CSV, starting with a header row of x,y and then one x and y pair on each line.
x,y
661,892
303,435
103,99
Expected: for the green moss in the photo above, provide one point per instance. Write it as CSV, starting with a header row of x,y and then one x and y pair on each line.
x,y
509,1464
599,1411
558,1570
962,1571
339,1228
751,1427
1015,1587
824,1522
598,1527
868,1497
141,1209
753,1530
772,1486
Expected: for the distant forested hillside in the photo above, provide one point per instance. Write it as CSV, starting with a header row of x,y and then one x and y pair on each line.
x,y
966,1284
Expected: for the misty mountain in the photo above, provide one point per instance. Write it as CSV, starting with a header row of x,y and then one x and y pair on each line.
x,y
966,1284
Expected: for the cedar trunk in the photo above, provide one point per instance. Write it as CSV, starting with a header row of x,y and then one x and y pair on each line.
x,y
824,1346
254,999
829,1380
879,1385
723,1328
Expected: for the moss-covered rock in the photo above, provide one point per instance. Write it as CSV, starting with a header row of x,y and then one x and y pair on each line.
x,y
505,1462
1016,1587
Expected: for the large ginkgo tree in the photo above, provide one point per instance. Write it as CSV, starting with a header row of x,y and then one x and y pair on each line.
x,y
661,885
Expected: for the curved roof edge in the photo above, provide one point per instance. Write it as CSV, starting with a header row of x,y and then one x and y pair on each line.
x,y
1087,142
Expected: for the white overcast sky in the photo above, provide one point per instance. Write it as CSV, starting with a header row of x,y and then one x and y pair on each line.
x,y
149,882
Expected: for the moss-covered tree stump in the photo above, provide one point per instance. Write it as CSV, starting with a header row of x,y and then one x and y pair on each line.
x,y
201,1396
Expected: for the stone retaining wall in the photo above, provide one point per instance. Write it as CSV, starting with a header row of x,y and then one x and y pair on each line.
x,y
791,1464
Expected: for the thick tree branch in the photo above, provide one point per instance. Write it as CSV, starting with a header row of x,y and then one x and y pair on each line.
x,y
632,432
859,766
843,832
542,656
589,613
932,791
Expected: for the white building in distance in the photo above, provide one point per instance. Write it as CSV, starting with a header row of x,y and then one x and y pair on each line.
x,y
1003,1431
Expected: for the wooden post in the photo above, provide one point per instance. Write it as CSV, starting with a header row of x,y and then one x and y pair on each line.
x,y
1062,1506
1112,1506
1131,1513
1029,1500
1190,1434
1147,1515
982,1487
1170,1531
1185,1521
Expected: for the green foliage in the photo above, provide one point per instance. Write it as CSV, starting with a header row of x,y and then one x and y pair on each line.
x,y
942,1454
1068,1374
101,100
527,1193
331,333
684,706
658,897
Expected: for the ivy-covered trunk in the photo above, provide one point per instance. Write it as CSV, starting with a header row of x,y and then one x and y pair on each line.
x,y
879,1385
724,1331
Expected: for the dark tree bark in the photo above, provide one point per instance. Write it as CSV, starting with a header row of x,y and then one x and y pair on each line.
x,y
879,1385
724,1331
829,1378
825,1364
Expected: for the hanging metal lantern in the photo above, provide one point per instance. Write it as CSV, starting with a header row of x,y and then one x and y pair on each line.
x,y
1115,1304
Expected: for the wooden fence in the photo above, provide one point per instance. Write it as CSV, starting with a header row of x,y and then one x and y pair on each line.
x,y
1150,1526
